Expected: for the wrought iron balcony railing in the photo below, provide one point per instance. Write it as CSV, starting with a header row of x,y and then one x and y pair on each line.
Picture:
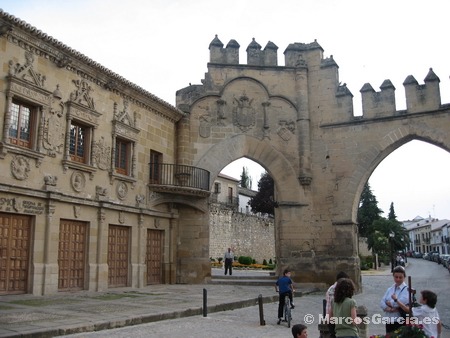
x,y
179,179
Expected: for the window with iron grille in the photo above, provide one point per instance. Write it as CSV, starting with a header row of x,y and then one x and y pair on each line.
x,y
122,156
22,124
79,142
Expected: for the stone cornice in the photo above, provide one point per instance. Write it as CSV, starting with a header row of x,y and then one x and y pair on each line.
x,y
29,38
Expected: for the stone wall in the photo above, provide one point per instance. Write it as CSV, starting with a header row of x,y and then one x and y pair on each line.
x,y
247,235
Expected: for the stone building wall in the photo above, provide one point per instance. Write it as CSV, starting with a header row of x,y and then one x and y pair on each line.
x,y
247,235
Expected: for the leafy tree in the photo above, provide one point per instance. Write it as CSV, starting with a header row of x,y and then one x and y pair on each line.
x,y
392,216
380,238
246,180
368,211
263,201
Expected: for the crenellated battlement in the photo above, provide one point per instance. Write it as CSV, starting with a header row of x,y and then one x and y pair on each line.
x,y
322,75
295,53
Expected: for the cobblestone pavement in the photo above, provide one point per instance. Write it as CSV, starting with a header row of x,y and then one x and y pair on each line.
x,y
169,310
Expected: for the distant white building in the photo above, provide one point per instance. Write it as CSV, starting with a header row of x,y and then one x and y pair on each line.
x,y
225,191
428,234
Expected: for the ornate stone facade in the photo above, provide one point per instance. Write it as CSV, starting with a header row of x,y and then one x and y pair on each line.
x,y
105,185
75,148
297,122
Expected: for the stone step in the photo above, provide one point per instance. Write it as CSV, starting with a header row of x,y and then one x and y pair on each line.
x,y
242,281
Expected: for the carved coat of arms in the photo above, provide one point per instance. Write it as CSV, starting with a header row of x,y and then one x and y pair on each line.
x,y
244,113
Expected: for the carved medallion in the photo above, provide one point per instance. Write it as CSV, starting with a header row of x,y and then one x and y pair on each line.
x,y
122,190
78,181
244,114
20,167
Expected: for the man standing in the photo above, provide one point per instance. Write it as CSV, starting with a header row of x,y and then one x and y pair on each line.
x,y
229,257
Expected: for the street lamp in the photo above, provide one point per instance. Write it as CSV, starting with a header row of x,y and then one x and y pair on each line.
x,y
391,241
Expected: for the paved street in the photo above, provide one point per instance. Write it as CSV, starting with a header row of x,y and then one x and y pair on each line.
x,y
246,322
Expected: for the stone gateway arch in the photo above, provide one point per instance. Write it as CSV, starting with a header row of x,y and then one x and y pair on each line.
x,y
297,121
106,185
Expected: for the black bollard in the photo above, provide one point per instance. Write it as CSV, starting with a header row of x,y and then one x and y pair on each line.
x,y
262,322
205,307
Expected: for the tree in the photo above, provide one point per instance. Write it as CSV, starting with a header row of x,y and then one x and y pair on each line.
x,y
382,232
368,211
392,216
264,201
246,180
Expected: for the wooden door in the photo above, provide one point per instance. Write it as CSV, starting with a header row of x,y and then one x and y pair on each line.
x,y
15,244
72,255
155,240
118,255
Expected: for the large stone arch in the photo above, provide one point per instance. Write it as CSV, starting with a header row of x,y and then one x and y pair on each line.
x,y
262,152
297,121
391,141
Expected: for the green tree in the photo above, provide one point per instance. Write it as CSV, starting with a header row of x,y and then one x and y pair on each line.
x,y
383,233
368,211
392,216
246,180
264,201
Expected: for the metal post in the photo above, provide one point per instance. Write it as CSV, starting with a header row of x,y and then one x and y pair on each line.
x,y
262,322
205,307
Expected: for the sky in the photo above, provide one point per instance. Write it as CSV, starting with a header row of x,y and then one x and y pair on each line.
x,y
163,45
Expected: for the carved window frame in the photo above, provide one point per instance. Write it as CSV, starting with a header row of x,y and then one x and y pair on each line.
x,y
127,134
26,93
122,156
88,119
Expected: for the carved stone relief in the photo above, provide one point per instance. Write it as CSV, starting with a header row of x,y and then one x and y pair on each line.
x,y
76,211
50,180
26,71
220,112
78,181
82,94
122,190
101,154
124,115
54,130
286,129
100,191
205,126
244,113
20,167
121,217
140,199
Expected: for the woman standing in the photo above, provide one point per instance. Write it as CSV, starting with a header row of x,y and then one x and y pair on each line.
x,y
344,309
398,291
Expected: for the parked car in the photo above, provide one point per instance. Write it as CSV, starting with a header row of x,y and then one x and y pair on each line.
x,y
417,254
435,257
444,260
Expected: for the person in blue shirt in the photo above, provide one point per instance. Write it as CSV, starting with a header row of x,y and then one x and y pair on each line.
x,y
389,305
284,286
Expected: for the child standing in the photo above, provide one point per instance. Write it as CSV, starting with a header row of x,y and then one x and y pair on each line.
x,y
426,314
